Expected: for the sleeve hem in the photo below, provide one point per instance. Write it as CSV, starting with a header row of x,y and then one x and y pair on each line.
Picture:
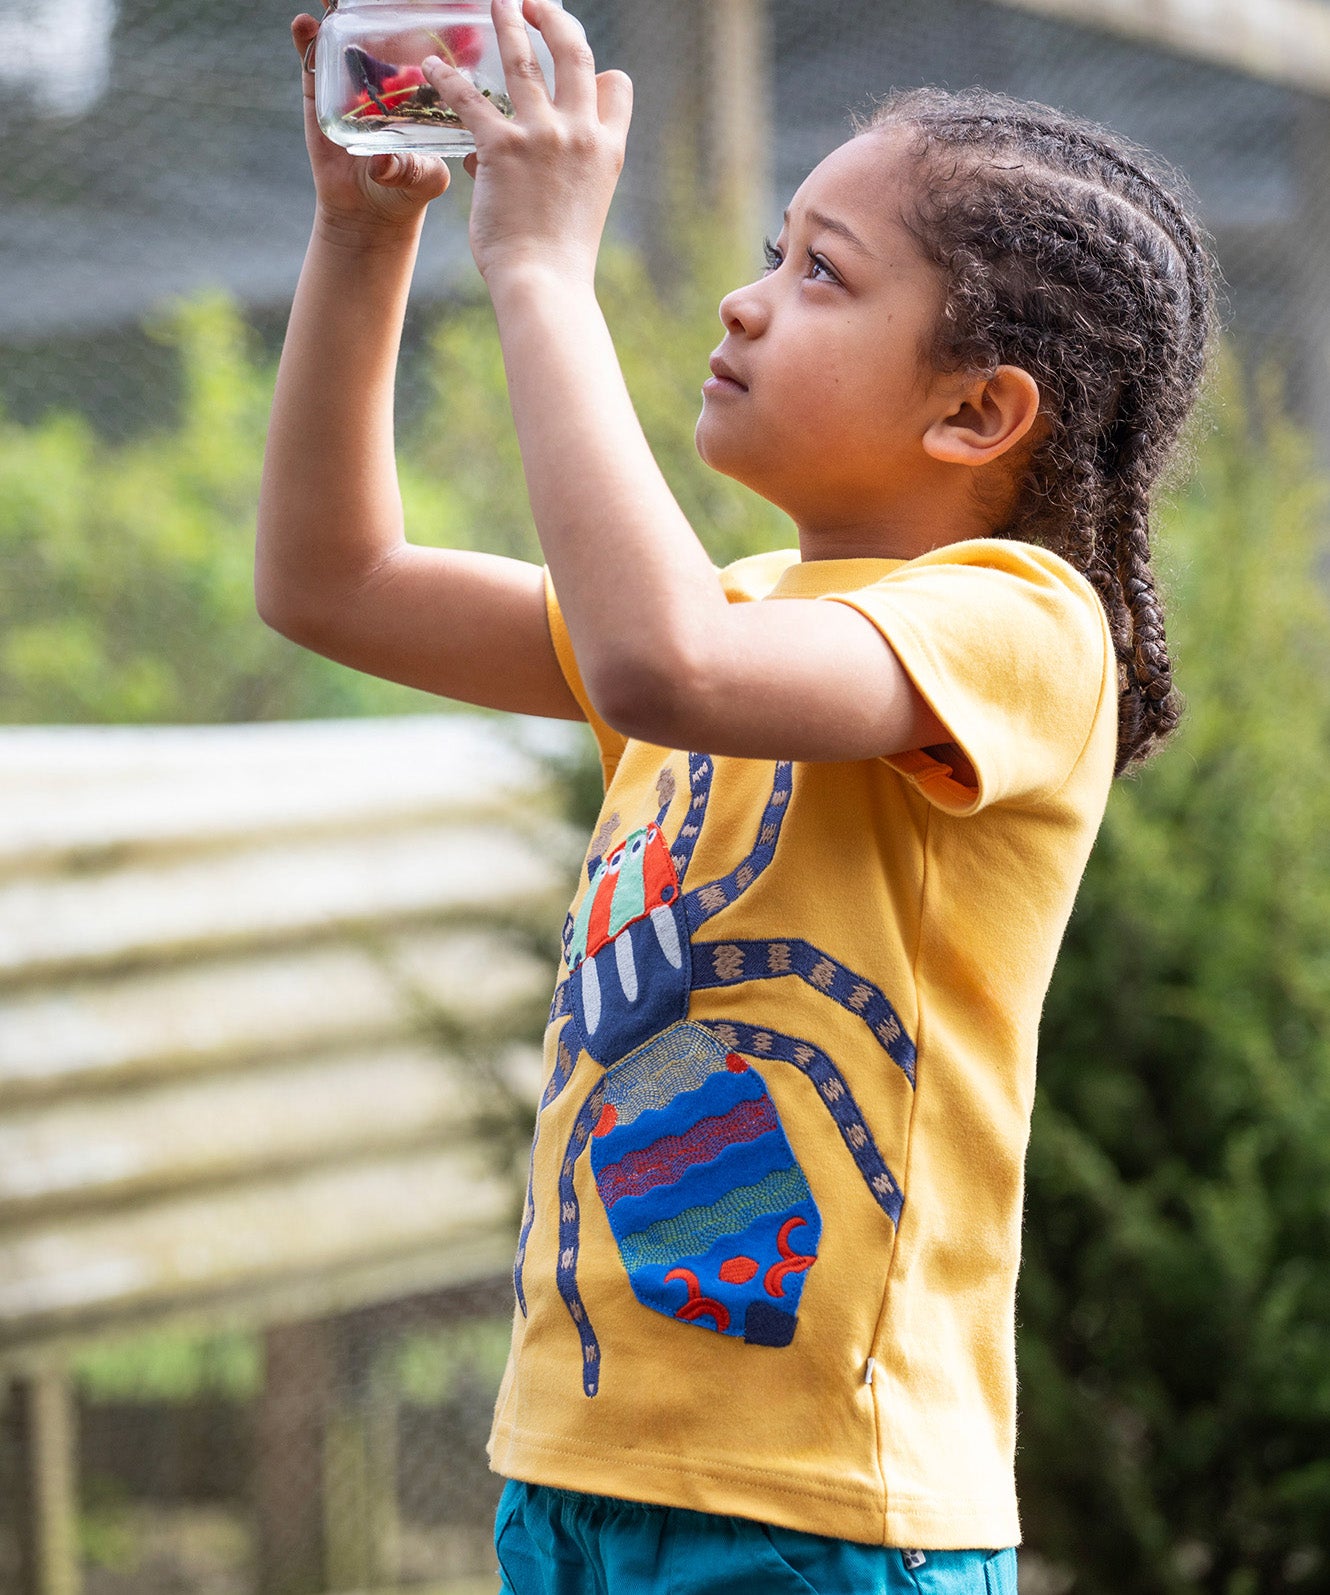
x,y
933,778
608,742
936,781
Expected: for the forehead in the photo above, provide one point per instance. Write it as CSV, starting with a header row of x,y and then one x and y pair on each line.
x,y
864,183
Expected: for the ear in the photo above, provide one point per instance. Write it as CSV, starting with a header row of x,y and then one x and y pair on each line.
x,y
986,419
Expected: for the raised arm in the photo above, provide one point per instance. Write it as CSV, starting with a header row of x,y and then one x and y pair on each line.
x,y
664,656
333,569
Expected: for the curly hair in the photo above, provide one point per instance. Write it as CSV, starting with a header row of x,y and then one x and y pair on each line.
x,y
1073,254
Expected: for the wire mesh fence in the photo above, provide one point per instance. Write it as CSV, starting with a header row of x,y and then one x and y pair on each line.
x,y
155,151
154,154
337,1454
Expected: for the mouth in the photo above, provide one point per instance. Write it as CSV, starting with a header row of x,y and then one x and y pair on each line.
x,y
723,378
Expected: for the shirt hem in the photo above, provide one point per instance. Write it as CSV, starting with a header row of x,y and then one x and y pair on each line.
x,y
785,1500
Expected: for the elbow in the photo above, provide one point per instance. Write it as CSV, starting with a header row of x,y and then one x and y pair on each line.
x,y
301,610
648,695
273,609
279,610
272,597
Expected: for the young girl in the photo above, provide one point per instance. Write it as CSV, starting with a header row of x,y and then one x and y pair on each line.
x,y
766,1271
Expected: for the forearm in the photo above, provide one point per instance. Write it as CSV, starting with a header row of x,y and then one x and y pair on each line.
x,y
329,506
637,589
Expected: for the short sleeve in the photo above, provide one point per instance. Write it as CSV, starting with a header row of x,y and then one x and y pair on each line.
x,y
610,742
1010,648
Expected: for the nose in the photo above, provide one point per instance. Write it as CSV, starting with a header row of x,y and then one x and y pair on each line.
x,y
744,310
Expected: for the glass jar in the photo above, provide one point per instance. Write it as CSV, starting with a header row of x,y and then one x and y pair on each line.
x,y
369,91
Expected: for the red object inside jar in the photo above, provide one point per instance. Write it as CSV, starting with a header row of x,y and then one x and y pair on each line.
x,y
383,85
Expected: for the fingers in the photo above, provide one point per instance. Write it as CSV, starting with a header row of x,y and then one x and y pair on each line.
x,y
304,31
614,101
574,63
460,94
521,71
577,89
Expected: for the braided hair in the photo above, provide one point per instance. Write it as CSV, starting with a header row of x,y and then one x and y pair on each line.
x,y
1069,252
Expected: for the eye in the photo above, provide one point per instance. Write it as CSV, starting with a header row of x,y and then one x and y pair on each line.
x,y
771,254
819,263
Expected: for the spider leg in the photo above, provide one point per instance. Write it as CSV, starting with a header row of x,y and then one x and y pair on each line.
x,y
559,1002
835,1092
700,771
569,1045
731,962
701,904
568,1237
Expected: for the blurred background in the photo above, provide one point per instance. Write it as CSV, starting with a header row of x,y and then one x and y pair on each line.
x,y
276,941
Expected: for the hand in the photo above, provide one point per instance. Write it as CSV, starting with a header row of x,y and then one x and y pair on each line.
x,y
383,191
545,176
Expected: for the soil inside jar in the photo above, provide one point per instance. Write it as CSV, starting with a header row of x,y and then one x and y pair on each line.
x,y
420,106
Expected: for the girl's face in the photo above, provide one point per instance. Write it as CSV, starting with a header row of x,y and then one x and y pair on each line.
x,y
821,394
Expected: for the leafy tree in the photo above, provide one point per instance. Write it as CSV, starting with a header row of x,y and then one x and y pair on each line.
x,y
1175,1299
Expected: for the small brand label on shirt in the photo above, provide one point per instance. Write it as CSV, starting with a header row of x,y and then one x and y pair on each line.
x,y
913,1559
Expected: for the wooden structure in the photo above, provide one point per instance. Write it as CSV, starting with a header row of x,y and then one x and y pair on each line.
x,y
259,986
1286,41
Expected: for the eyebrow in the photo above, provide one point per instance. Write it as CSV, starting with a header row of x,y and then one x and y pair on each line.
x,y
821,219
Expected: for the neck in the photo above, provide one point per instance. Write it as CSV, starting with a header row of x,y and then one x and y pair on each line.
x,y
894,530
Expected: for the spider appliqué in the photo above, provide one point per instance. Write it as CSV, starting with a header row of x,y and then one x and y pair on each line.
x,y
632,964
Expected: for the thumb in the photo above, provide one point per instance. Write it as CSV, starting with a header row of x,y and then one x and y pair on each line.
x,y
614,99
426,176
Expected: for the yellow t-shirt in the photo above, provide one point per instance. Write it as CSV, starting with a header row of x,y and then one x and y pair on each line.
x,y
769,1259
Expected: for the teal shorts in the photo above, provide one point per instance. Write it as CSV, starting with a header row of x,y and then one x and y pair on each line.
x,y
560,1542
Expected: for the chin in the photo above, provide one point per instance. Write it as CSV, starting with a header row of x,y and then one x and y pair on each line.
x,y
727,461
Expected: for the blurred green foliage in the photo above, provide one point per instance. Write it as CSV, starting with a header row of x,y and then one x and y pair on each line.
x,y
126,566
429,1366
1175,1300
467,437
171,1365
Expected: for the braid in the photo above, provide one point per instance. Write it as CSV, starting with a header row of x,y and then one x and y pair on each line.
x,y
1068,252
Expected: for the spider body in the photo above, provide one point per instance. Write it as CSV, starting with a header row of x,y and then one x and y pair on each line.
x,y
714,1219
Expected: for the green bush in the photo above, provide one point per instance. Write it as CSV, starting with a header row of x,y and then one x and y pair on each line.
x,y
126,568
1175,1299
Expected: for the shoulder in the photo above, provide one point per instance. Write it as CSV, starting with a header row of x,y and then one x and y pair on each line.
x,y
997,587
1025,563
